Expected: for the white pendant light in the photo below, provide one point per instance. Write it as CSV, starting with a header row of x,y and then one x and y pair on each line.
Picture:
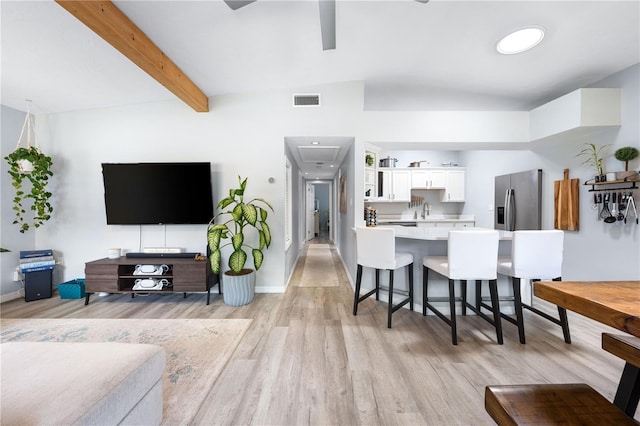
x,y
520,41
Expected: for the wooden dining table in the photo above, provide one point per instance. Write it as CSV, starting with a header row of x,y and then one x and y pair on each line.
x,y
613,303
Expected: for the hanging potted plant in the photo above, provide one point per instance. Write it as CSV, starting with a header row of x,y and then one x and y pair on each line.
x,y
32,165
243,218
626,154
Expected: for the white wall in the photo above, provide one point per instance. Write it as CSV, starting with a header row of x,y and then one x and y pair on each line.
x,y
598,251
241,135
10,237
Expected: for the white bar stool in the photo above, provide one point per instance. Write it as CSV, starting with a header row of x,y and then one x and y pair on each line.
x,y
376,248
471,255
535,255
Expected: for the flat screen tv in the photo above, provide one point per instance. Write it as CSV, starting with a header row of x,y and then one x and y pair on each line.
x,y
157,193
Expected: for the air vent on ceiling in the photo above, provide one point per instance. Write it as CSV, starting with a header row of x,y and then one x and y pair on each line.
x,y
306,100
318,154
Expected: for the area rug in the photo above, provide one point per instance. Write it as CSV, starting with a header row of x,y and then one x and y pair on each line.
x,y
196,349
319,270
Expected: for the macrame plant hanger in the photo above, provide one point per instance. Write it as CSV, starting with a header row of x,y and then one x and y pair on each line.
x,y
29,124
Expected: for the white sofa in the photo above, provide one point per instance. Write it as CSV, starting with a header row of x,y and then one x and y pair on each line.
x,y
80,383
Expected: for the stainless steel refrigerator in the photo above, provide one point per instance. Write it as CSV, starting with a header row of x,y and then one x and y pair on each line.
x,y
518,199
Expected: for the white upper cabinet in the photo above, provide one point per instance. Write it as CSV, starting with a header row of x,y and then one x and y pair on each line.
x,y
396,185
454,186
429,179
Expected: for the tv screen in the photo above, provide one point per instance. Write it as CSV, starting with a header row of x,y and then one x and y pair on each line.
x,y
157,193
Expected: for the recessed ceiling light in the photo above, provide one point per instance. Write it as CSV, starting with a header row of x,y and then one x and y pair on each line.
x,y
520,41
315,143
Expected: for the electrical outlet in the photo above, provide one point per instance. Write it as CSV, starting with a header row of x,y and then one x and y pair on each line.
x,y
16,275
490,207
60,261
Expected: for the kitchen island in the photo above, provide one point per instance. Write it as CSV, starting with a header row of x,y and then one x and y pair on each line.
x,y
432,241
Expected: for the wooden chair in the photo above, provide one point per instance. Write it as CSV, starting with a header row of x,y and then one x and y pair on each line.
x,y
376,248
551,404
471,255
535,255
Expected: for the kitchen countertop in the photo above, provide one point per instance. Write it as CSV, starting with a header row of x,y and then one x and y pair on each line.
x,y
437,234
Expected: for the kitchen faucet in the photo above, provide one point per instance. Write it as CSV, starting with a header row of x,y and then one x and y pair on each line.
x,y
425,208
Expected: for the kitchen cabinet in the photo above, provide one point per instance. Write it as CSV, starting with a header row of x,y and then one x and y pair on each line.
x,y
430,178
395,185
454,190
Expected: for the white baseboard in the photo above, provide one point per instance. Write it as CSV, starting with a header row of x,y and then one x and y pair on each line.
x,y
11,296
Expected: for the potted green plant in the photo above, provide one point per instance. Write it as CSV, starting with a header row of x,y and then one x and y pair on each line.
x,y
593,156
368,159
243,218
626,154
33,165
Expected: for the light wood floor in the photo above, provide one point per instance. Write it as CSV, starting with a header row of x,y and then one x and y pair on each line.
x,y
306,360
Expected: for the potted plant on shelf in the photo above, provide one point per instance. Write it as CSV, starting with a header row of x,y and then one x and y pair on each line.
x,y
626,154
243,218
594,157
369,160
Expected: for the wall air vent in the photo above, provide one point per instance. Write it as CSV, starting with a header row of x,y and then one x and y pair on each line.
x,y
306,99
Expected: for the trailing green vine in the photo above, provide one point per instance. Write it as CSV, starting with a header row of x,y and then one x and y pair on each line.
x,y
39,178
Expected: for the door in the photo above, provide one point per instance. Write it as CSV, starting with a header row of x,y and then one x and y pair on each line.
x,y
310,210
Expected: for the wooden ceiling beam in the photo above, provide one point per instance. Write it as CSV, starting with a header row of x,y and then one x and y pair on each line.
x,y
106,20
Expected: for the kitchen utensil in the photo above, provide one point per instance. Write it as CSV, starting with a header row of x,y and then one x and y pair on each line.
x,y
621,206
417,163
631,204
388,162
605,214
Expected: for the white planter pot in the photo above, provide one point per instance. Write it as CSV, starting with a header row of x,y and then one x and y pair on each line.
x,y
25,166
238,290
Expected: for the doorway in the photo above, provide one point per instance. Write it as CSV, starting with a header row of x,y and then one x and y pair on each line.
x,y
319,210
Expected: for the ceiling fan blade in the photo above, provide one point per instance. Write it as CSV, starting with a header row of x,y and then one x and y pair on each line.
x,y
237,4
328,23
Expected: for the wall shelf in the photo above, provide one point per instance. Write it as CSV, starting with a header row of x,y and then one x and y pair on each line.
x,y
605,186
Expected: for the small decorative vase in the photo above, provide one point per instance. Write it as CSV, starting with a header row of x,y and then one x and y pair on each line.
x,y
238,290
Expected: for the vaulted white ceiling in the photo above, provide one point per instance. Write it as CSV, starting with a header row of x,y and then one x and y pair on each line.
x,y
438,55
435,56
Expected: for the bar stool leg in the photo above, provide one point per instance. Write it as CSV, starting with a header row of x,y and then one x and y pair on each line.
x,y
517,304
390,311
495,304
452,308
357,292
410,266
425,281
463,295
377,284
